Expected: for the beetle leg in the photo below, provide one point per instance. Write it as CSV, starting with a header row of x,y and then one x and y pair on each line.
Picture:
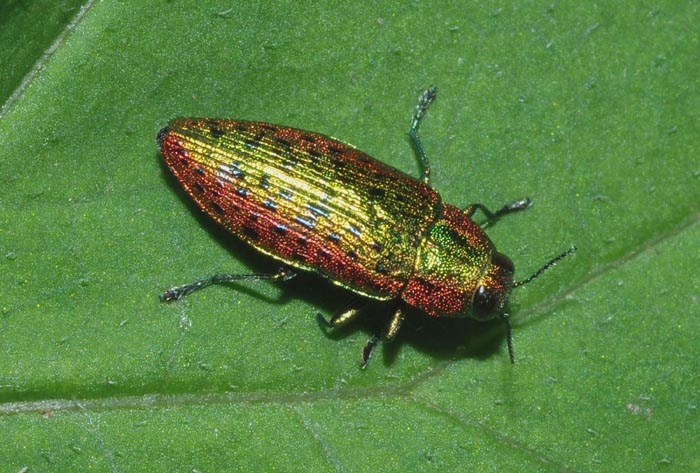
x,y
509,337
344,316
368,349
178,292
349,313
389,333
515,206
394,324
424,102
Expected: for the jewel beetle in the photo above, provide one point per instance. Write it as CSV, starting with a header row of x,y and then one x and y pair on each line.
x,y
315,203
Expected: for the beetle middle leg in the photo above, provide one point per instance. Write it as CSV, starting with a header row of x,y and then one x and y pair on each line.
x,y
344,316
389,334
515,206
350,312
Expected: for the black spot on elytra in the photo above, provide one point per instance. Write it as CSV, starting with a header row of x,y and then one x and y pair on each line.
x,y
200,171
340,163
161,136
198,187
376,193
280,229
269,128
250,233
355,231
254,216
217,208
291,161
318,210
380,268
302,240
427,284
284,144
377,247
252,142
308,223
335,238
315,153
353,255
307,137
335,149
236,172
264,182
242,192
215,131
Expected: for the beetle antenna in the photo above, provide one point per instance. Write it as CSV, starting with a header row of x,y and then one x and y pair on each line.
x,y
509,337
546,266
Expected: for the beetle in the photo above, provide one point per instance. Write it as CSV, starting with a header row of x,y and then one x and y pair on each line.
x,y
315,203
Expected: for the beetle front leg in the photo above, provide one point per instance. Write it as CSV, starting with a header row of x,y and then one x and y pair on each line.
x,y
424,102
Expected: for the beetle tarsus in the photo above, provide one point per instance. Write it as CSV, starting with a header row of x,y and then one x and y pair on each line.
x,y
424,102
368,349
509,337
178,292
515,206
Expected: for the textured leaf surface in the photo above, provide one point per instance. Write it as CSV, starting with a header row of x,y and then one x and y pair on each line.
x,y
593,111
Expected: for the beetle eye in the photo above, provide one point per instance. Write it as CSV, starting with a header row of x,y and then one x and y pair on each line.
x,y
484,304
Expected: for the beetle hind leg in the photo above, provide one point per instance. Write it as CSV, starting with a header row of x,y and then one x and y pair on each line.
x,y
178,292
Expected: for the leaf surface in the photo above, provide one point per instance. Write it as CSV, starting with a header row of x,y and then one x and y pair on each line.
x,y
591,110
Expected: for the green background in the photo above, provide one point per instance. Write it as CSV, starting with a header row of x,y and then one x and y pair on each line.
x,y
593,110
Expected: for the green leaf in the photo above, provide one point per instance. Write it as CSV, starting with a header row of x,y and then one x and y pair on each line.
x,y
593,111
28,31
